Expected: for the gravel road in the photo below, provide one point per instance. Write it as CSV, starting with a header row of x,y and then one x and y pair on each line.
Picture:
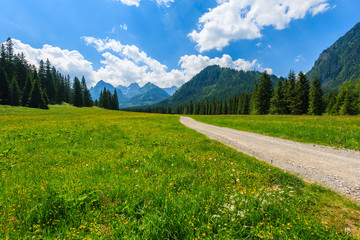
x,y
338,169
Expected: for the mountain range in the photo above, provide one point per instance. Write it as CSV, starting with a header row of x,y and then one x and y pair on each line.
x,y
134,95
335,65
340,62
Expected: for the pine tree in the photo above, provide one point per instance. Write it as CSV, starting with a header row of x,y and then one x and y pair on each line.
x,y
27,90
115,100
265,93
301,103
14,93
278,101
42,74
87,96
315,98
10,50
78,96
330,101
191,107
345,100
4,88
67,90
255,101
49,85
2,55
36,99
243,105
225,109
213,107
289,92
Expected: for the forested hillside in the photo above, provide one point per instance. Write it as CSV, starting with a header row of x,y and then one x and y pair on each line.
x,y
23,84
217,82
340,62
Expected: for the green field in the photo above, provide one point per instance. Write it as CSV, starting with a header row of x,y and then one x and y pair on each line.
x,y
70,173
334,131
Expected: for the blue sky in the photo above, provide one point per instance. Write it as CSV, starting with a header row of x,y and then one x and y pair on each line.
x,y
168,41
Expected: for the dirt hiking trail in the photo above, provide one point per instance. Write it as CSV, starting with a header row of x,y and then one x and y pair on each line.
x,y
338,169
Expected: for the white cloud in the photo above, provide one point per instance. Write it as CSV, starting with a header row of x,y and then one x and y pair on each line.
x,y
129,2
126,64
124,26
137,2
146,69
165,2
244,19
298,58
65,61
320,8
193,64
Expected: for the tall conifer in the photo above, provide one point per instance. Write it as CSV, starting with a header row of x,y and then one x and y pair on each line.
x,y
78,96
36,99
27,90
315,98
4,88
14,93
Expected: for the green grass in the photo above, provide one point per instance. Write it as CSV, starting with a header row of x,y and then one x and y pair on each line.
x,y
334,131
69,173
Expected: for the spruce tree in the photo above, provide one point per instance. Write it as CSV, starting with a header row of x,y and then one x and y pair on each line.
x,y
27,90
290,92
14,93
301,103
86,94
255,101
4,88
225,109
315,98
345,100
330,101
191,107
10,49
277,102
36,99
115,100
265,93
243,105
49,84
78,96
42,74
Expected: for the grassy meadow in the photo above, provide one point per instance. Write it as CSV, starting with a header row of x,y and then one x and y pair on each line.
x,y
334,131
89,173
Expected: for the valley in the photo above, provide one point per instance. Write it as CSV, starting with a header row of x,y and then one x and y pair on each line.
x,y
92,173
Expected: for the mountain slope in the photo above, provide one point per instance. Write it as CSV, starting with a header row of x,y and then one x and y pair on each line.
x,y
130,91
95,91
149,97
171,90
134,95
217,82
340,62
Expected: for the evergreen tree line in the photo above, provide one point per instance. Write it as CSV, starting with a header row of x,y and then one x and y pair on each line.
x,y
293,96
21,84
108,100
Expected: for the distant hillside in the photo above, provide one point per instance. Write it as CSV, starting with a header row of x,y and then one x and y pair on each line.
x,y
133,95
130,91
149,97
171,90
340,62
217,82
95,91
